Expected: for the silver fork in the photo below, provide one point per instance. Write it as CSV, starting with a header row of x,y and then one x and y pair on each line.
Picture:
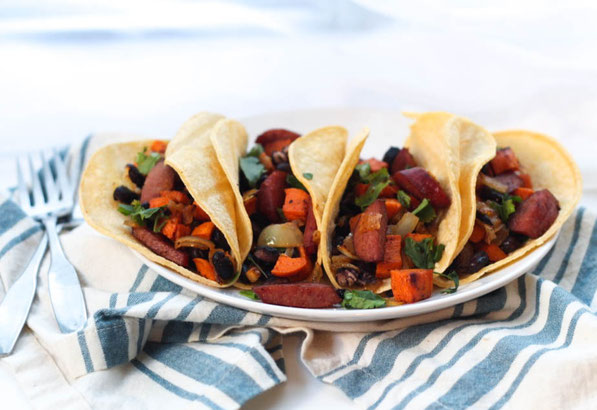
x,y
65,290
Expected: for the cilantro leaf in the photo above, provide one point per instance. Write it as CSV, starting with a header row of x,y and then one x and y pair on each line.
x,y
425,211
363,169
141,216
308,175
252,168
453,276
146,162
292,181
404,199
362,299
249,294
506,208
255,151
254,262
377,182
423,254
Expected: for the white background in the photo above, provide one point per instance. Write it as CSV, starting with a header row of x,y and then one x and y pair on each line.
x,y
68,69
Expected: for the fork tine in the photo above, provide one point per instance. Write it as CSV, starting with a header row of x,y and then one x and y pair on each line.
x,y
23,198
48,182
62,177
38,196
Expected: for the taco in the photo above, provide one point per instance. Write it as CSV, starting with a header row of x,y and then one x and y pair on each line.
x,y
393,224
520,197
171,202
283,183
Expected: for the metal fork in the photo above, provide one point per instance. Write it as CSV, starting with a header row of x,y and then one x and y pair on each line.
x,y
65,290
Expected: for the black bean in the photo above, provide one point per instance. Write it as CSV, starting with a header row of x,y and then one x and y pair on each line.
x,y
218,238
134,175
347,277
198,253
284,166
223,265
489,194
340,293
511,243
464,257
125,195
266,254
390,154
487,170
478,261
243,182
484,218
146,205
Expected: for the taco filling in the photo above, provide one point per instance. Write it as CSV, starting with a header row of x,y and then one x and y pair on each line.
x,y
285,234
163,217
508,213
387,227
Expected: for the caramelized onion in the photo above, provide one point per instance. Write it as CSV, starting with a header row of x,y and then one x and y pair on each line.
x,y
405,225
347,248
286,235
194,242
493,183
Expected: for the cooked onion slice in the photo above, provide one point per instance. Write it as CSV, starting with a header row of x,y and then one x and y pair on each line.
x,y
194,242
405,225
284,235
493,183
347,248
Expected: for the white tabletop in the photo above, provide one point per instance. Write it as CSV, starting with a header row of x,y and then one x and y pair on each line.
x,y
144,67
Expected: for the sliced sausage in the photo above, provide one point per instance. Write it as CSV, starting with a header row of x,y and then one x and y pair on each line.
x,y
158,244
504,160
276,134
271,195
160,178
511,180
370,232
303,295
535,215
421,185
310,228
402,160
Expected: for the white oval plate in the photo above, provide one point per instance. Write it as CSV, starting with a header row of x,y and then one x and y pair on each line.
x,y
387,128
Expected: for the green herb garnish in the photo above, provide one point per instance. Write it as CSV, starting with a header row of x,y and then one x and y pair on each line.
x,y
141,216
292,181
377,182
506,208
254,262
363,169
404,199
253,169
146,162
256,151
249,294
453,276
424,254
362,299
308,175
425,211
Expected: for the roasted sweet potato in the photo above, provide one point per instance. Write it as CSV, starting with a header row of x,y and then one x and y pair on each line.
x,y
296,204
412,285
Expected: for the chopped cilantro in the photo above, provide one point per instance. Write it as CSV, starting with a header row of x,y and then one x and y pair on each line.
x,y
146,162
292,181
140,215
308,175
425,211
377,182
404,199
423,254
363,169
506,208
362,299
453,276
255,151
252,168
249,294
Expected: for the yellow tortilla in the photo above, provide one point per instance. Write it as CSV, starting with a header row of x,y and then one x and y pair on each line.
x,y
192,157
550,167
229,139
319,153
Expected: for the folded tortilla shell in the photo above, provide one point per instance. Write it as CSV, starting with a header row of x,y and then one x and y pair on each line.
x,y
193,158
550,167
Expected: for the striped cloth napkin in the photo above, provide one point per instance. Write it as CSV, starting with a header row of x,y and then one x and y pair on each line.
x,y
151,344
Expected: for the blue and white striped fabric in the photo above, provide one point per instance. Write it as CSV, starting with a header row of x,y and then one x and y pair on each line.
x,y
151,344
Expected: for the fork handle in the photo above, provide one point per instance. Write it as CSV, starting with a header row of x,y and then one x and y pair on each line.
x,y
63,283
